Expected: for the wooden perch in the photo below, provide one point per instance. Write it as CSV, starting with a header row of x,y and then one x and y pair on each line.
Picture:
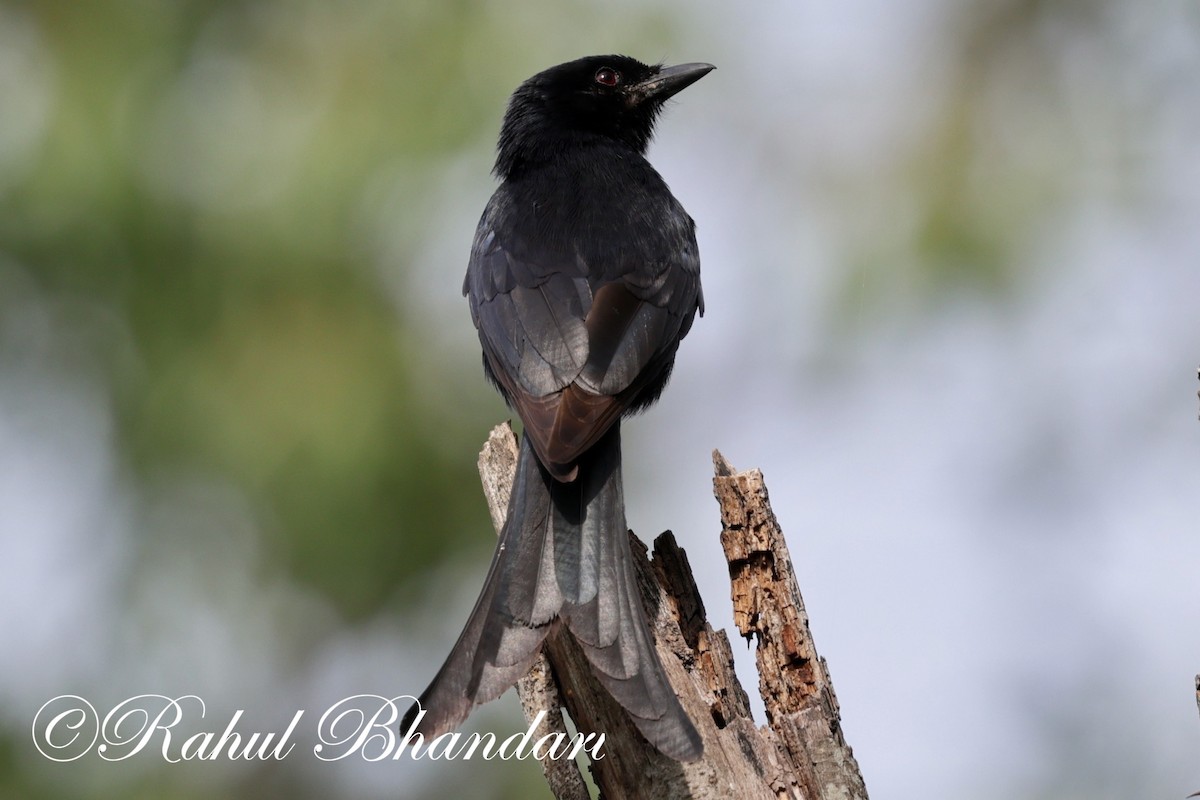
x,y
801,753
1197,794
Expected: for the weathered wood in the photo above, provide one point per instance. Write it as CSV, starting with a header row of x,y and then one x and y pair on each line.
x,y
802,754
1197,794
793,679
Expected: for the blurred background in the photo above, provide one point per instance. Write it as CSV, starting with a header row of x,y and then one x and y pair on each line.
x,y
952,264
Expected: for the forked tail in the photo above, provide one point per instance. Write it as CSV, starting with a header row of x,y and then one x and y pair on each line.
x,y
563,555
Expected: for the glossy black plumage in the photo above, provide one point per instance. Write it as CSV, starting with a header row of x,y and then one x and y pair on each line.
x,y
584,276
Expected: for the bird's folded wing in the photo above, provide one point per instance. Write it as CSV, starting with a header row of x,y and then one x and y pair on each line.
x,y
571,345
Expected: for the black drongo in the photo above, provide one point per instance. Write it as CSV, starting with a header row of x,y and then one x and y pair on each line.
x,y
584,276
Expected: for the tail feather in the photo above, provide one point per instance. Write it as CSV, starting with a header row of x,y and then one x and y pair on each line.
x,y
510,619
563,554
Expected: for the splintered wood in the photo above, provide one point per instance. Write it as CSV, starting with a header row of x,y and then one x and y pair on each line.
x,y
793,679
766,600
800,754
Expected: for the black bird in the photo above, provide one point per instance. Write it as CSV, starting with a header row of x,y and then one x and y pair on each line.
x,y
584,276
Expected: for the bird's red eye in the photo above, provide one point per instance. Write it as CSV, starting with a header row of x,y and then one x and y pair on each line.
x,y
607,77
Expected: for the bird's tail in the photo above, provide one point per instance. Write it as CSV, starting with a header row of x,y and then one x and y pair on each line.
x,y
563,555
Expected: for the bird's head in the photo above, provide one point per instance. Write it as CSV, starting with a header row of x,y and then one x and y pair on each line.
x,y
610,97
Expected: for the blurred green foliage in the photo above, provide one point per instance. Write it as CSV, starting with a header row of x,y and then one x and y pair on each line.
x,y
200,175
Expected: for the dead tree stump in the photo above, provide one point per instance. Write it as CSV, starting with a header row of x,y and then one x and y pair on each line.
x,y
801,753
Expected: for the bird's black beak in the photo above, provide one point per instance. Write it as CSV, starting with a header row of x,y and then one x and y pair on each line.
x,y
667,82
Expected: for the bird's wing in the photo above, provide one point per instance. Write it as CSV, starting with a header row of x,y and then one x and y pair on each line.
x,y
572,344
